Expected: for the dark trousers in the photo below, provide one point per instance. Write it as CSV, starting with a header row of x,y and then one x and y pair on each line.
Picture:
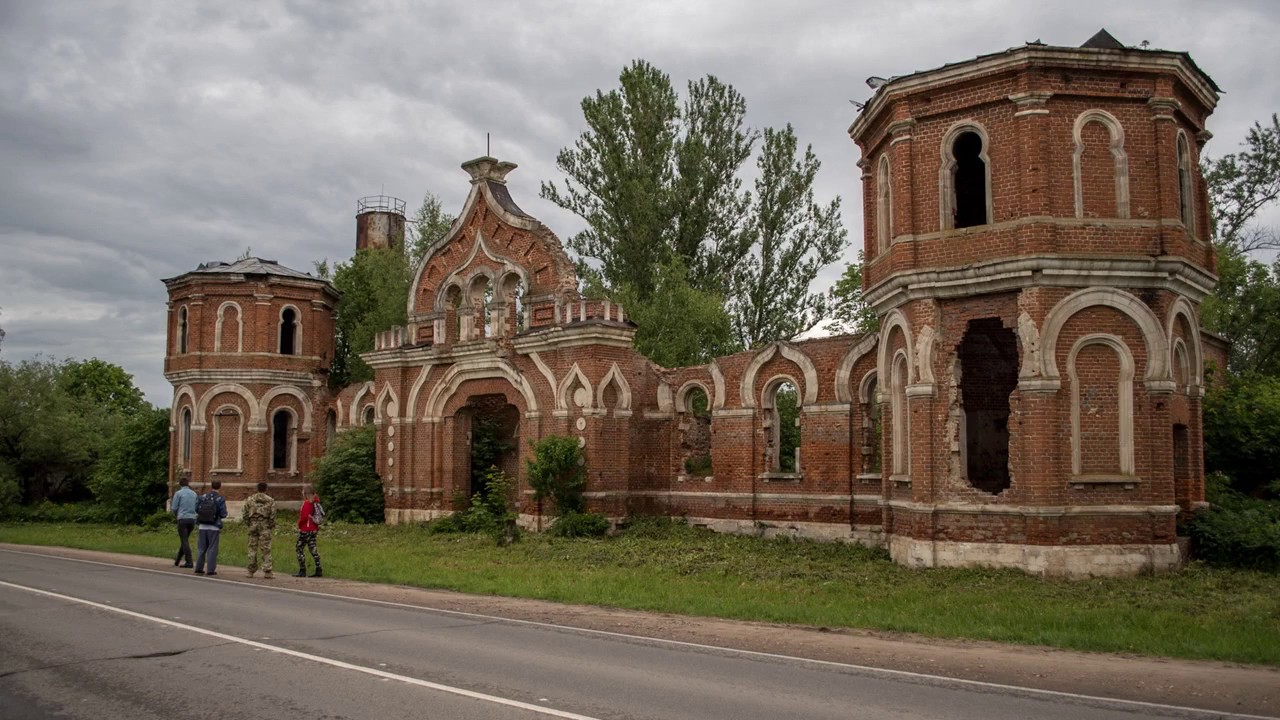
x,y
184,548
207,545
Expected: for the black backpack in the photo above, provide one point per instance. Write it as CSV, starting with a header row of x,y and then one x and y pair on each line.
x,y
207,509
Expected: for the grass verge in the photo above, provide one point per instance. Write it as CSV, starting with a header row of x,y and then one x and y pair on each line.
x,y
1200,613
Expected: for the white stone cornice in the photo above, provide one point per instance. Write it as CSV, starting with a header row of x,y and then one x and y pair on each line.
x,y
557,337
273,377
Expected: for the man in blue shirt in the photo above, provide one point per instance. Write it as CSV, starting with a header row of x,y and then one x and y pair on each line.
x,y
183,507
209,525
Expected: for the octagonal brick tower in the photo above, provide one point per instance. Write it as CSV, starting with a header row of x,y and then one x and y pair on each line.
x,y
1037,248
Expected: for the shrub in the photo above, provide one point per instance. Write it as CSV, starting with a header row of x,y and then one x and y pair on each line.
x,y
1242,433
347,480
1236,529
130,482
158,520
10,491
490,512
577,524
558,472
49,512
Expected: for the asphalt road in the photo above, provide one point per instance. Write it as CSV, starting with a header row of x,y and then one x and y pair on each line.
x,y
85,640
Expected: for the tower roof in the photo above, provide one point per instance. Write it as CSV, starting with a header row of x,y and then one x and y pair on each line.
x,y
241,269
1103,40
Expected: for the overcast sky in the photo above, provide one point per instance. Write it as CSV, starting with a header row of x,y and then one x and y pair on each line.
x,y
138,139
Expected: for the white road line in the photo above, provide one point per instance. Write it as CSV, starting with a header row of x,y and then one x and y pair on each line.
x,y
1132,705
383,674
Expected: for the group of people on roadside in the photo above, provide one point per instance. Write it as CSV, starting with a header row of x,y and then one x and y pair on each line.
x,y
205,513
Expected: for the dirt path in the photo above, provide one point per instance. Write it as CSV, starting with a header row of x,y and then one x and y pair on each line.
x,y
1224,687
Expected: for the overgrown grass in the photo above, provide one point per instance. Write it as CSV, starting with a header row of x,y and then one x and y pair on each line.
x,y
1231,615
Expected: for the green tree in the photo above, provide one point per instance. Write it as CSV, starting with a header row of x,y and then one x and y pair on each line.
x,y
795,239
428,225
102,384
1,335
849,312
375,290
346,478
1241,185
788,431
558,472
678,325
130,480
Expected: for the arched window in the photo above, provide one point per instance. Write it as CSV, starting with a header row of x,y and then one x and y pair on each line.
x,y
884,204
282,440
289,331
781,404
695,430
1185,196
227,438
330,428
870,424
901,416
970,183
186,437
367,418
182,329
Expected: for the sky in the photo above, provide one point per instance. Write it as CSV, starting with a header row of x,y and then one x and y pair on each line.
x,y
139,139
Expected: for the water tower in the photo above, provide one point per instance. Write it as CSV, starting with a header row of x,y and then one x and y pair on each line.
x,y
379,222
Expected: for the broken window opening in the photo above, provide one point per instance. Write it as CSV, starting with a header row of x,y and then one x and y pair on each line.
x,y
486,302
988,376
288,331
281,425
782,428
871,431
518,304
969,181
182,330
884,205
695,437
901,416
186,437
1184,184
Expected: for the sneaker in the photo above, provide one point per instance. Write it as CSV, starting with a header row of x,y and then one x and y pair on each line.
x,y
187,565
210,574
317,573
267,576
300,573
251,573
199,572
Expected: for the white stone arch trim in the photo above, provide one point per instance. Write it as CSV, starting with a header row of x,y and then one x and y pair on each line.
x,y
297,329
717,381
769,390
182,391
808,390
864,388
217,441
900,414
1183,307
1157,373
682,395
507,266
255,413
487,368
845,369
884,203
293,440
615,376
387,406
1180,358
217,327
411,408
353,416
562,390
292,391
1118,156
895,319
947,172
1125,399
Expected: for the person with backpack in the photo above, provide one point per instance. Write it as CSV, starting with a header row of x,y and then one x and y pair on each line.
x,y
310,517
259,517
183,507
211,508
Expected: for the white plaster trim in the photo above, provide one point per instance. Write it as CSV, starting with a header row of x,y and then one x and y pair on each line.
x,y
884,203
1187,193
808,390
900,413
1125,400
682,395
895,319
734,412
177,402
546,373
297,330
294,392
1049,560
864,387
410,410
665,403
353,417
717,381
386,398
479,369
217,327
250,401
562,392
1118,155
266,377
1157,370
1047,511
1183,307
619,381
845,369
291,437
825,409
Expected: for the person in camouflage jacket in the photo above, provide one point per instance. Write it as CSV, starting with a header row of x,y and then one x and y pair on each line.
x,y
259,516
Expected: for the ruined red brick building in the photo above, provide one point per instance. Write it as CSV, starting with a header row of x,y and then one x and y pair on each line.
x,y
1037,248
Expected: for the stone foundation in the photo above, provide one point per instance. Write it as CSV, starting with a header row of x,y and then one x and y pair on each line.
x,y
1074,561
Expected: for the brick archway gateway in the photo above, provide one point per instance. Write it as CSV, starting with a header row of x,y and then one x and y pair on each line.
x,y
482,400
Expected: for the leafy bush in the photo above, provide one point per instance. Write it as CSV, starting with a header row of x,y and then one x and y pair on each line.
x,y
557,472
347,480
48,512
158,520
10,490
1236,529
491,512
130,481
1242,433
576,524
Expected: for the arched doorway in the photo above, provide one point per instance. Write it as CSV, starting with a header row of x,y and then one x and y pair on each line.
x,y
493,436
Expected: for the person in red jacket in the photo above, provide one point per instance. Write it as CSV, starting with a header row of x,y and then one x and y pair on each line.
x,y
309,520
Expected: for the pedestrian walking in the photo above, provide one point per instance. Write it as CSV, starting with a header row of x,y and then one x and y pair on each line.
x,y
183,508
259,516
310,517
211,508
